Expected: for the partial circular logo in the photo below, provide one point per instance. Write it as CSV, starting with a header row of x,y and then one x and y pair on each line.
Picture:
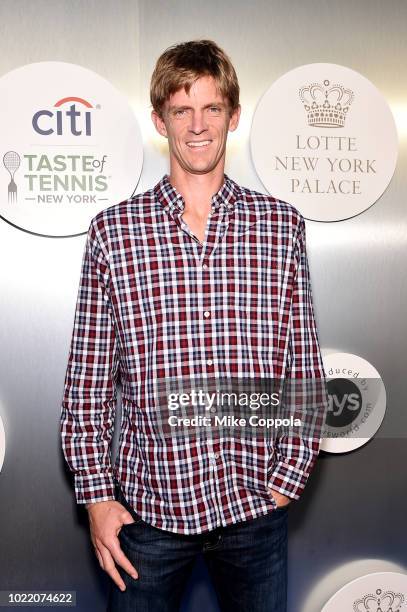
x,y
333,581
357,402
70,147
2,443
378,592
324,139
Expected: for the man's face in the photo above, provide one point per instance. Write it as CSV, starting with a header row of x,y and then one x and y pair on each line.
x,y
197,125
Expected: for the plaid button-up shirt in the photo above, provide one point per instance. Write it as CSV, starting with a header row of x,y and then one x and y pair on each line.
x,y
155,303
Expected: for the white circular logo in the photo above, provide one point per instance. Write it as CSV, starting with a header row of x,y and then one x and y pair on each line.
x,y
344,573
357,402
378,592
324,139
2,443
70,147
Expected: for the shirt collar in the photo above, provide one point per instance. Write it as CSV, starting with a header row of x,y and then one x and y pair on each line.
x,y
171,199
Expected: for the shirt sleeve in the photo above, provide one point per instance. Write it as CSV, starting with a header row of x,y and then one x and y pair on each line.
x,y
297,451
89,397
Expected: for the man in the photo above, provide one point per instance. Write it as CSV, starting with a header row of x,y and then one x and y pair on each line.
x,y
197,277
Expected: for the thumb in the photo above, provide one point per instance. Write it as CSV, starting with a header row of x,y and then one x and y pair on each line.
x,y
127,519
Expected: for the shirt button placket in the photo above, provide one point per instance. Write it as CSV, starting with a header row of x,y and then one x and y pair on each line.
x,y
208,366
207,303
207,315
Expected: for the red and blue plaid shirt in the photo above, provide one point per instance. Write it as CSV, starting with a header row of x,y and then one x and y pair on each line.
x,y
155,303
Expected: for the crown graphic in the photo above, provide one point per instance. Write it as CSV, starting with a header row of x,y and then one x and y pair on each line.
x,y
381,601
326,104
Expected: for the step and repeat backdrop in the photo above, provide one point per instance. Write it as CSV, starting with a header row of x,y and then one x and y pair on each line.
x,y
324,127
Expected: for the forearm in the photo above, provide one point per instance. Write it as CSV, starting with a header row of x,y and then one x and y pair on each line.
x,y
89,397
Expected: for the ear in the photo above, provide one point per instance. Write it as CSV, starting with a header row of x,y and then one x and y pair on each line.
x,y
234,119
159,123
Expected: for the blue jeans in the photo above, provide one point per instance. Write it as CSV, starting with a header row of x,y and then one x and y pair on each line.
x,y
247,562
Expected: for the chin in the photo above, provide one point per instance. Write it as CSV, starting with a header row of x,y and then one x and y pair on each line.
x,y
205,166
205,170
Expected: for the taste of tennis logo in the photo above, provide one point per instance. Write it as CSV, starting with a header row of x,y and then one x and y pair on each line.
x,y
324,139
11,161
66,119
71,148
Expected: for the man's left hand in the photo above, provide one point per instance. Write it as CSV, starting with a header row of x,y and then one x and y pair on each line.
x,y
280,499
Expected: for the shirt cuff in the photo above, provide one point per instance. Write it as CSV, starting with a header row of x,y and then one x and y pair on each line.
x,y
288,480
91,488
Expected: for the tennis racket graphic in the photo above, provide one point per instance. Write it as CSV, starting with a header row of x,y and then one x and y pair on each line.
x,y
11,161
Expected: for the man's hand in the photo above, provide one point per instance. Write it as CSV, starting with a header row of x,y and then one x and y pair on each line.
x,y
106,519
280,499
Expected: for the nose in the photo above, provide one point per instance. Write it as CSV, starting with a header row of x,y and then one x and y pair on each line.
x,y
198,123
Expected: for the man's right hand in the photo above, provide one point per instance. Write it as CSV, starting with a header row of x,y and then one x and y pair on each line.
x,y
106,518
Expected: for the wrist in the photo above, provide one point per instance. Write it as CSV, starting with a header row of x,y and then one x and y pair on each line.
x,y
90,505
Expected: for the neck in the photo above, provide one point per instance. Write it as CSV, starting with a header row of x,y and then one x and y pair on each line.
x,y
197,189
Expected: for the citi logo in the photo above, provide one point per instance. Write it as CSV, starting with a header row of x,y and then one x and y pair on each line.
x,y
68,118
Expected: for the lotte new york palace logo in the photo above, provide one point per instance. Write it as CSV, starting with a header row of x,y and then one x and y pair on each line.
x,y
326,105
71,148
324,139
376,592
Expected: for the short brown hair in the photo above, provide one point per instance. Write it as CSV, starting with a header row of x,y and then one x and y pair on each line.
x,y
182,64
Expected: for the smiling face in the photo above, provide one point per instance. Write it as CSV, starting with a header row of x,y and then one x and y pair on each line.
x,y
196,125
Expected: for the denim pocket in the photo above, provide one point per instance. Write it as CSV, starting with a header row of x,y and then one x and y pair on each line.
x,y
127,526
281,508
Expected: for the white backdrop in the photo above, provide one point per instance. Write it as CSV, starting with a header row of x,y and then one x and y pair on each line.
x,y
354,506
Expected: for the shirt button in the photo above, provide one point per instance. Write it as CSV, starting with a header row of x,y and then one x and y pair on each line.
x,y
207,313
205,266
216,455
209,362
